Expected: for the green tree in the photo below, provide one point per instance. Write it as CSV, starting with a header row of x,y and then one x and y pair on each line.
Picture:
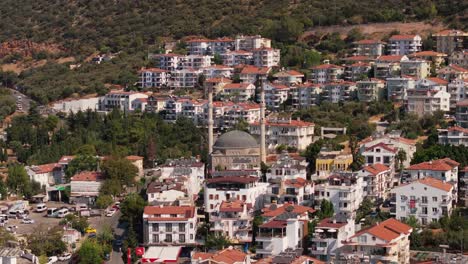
x,y
326,209
46,242
18,181
103,201
217,241
365,208
132,208
82,163
217,59
400,158
120,169
91,252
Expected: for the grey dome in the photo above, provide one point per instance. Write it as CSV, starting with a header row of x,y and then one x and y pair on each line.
x,y
235,139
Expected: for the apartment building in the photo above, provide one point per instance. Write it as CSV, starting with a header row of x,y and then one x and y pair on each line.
x,y
248,112
426,102
455,136
442,169
169,225
452,72
218,71
344,190
450,40
426,199
328,237
119,99
380,153
68,106
432,83
461,113
404,44
378,180
331,161
285,131
326,73
238,92
305,95
286,168
184,78
233,219
387,66
204,46
250,73
368,47
197,62
275,95
463,195
85,187
386,242
45,174
357,71
251,42
370,90
397,88
166,192
415,68
458,90
191,169
248,189
237,57
436,58
266,57
336,92
459,58
156,103
153,77
289,77
168,61
393,140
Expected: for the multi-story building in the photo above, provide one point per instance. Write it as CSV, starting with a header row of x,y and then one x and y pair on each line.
x,y
169,225
436,58
415,68
458,90
461,113
459,58
248,112
442,169
167,191
397,88
463,194
238,92
195,62
286,168
251,42
305,95
426,102
328,237
266,57
192,169
326,73
393,140
450,40
380,153
338,92
426,199
370,90
295,191
404,44
168,61
275,95
185,78
250,73
285,131
218,71
248,189
215,84
45,174
237,57
344,190
456,136
156,103
452,72
119,99
233,219
432,83
85,187
386,242
209,46
153,77
368,47
289,77
378,179
387,66
357,71
331,161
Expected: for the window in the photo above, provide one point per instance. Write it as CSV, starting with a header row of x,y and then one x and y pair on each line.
x,y
182,238
211,206
181,227
244,197
173,215
168,227
191,225
211,197
191,236
168,238
155,238
403,218
363,239
435,210
434,198
424,199
155,227
424,210
402,208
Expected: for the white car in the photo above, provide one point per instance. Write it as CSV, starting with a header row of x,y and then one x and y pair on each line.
x,y
11,229
110,212
52,259
65,256
27,221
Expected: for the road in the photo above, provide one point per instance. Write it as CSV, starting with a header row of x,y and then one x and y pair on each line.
x,y
22,101
448,258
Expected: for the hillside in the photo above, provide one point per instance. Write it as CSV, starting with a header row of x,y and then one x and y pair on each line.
x,y
83,25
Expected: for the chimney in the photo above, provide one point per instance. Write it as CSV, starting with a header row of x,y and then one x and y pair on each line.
x,y
262,124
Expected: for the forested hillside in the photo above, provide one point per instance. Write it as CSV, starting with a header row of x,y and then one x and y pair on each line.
x,y
82,25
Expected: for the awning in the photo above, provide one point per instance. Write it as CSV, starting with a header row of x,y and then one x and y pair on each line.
x,y
161,254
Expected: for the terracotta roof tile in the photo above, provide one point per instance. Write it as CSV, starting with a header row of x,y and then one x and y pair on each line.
x,y
376,168
328,223
297,183
299,209
369,41
249,69
225,256
88,176
239,86
392,58
327,66
382,145
438,80
436,184
387,230
428,53
459,129
232,206
435,165
182,211
45,168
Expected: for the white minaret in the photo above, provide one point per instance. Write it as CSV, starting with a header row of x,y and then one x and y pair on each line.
x,y
210,120
262,124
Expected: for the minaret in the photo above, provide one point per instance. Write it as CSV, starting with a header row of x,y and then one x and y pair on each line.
x,y
210,120
262,124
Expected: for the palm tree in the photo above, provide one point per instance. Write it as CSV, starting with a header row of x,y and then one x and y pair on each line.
x,y
401,157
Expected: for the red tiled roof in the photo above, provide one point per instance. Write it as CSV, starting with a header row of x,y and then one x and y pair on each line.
x,y
44,168
328,223
327,66
402,37
290,73
154,70
249,106
249,69
185,211
463,103
232,206
297,183
435,165
376,168
384,146
459,129
298,260
225,256
66,159
436,184
387,230
275,224
360,64
298,209
236,179
88,176
448,32
457,68
238,86
358,58
428,53
134,158
437,80
290,123
390,58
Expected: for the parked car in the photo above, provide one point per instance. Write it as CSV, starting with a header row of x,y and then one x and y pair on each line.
x,y
41,207
65,256
89,230
110,212
52,259
27,221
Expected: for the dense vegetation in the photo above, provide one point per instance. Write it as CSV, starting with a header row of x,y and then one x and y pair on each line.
x,y
7,103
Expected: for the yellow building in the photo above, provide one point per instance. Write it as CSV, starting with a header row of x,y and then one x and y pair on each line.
x,y
329,161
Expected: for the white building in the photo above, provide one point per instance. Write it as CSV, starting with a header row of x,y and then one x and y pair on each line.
x,y
248,189
287,168
185,78
289,77
404,44
423,102
250,73
397,88
432,83
450,40
168,61
218,71
459,58
239,92
368,47
441,169
233,219
370,90
461,113
85,186
237,57
338,91
285,131
305,95
248,112
197,62
426,199
452,71
191,168
386,242
119,99
153,77
415,68
458,90
387,66
378,180
328,237
275,95
357,71
251,42
395,141
169,225
46,174
266,57
74,106
344,191
456,136
203,46
380,153
326,73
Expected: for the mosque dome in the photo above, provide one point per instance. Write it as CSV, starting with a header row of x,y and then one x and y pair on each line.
x,y
235,139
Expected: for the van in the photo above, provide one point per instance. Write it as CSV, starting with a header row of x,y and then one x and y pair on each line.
x,y
62,213
41,207
52,212
81,207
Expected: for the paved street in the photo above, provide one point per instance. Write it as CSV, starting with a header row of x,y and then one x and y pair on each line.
x,y
22,101
448,258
